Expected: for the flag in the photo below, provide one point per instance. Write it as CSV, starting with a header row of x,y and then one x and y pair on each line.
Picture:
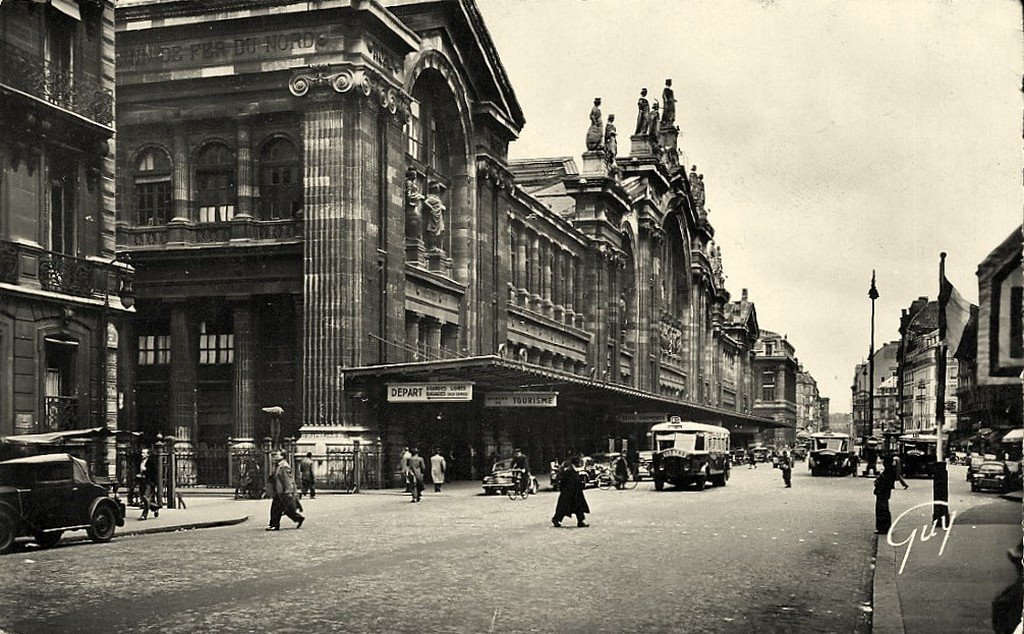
x,y
954,312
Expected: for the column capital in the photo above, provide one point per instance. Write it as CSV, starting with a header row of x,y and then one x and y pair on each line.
x,y
348,78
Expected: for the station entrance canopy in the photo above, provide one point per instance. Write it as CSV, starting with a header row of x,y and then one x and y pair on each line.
x,y
492,373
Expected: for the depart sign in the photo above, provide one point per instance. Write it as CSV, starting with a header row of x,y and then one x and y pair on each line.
x,y
521,399
429,392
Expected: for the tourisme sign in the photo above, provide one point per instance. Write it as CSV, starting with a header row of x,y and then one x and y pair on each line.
x,y
429,392
521,399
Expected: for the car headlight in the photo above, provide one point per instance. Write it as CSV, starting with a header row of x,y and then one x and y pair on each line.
x,y
999,477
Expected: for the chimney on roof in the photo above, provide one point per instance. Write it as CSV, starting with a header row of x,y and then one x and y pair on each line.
x,y
743,295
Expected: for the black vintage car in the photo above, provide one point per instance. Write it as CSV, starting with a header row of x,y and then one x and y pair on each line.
x,y
43,496
831,454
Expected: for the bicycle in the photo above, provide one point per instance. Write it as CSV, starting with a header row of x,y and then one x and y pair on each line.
x,y
606,481
520,485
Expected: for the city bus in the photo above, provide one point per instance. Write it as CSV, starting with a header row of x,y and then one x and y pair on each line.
x,y
689,454
831,453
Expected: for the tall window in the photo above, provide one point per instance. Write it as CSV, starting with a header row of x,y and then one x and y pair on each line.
x,y
153,187
215,348
59,52
769,349
280,180
62,184
215,183
767,386
59,384
154,350
413,132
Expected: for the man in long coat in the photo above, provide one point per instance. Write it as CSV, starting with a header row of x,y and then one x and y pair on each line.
x,y
570,495
282,482
438,466
415,474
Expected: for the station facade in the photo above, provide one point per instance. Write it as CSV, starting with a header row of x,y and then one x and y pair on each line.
x,y
322,216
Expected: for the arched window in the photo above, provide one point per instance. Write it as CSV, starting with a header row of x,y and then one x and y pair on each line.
x,y
280,180
153,187
215,183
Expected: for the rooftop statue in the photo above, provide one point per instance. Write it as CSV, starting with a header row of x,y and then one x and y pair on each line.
x,y
642,116
668,101
652,123
611,143
594,135
697,187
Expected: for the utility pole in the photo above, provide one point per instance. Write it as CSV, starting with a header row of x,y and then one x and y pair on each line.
x,y
940,478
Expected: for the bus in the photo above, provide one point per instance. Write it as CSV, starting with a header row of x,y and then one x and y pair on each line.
x,y
831,453
689,454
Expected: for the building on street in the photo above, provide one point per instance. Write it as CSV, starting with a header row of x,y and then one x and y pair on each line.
x,y
65,302
886,415
321,212
776,369
919,370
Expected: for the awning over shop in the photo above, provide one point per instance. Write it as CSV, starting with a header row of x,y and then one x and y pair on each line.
x,y
59,437
494,373
1014,435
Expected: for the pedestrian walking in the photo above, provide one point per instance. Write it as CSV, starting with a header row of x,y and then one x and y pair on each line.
x,y
403,465
416,467
620,469
884,485
437,470
571,500
149,495
306,474
786,465
751,460
282,483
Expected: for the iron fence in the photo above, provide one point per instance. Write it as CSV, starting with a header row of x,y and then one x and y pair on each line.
x,y
345,468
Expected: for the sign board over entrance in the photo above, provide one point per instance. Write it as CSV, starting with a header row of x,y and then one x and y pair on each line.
x,y
521,399
429,392
646,418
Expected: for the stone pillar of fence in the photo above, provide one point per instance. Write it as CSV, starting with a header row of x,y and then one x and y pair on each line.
x,y
161,458
357,466
172,475
380,463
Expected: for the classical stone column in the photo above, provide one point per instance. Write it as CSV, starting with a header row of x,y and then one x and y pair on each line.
x,y
184,358
522,277
412,335
244,377
244,169
432,337
181,194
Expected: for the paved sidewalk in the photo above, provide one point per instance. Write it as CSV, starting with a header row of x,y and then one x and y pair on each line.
x,y
200,512
951,591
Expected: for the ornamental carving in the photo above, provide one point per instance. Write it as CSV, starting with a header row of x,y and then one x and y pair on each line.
x,y
369,82
489,171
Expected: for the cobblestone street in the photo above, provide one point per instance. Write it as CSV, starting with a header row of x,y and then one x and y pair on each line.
x,y
753,556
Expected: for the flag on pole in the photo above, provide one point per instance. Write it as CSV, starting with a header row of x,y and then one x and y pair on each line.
x,y
954,313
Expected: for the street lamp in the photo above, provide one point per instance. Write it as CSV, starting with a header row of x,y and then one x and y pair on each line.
x,y
870,427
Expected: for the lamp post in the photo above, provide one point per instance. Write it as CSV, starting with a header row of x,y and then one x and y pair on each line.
x,y
870,427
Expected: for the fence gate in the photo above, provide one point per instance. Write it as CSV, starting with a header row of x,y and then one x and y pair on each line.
x,y
345,468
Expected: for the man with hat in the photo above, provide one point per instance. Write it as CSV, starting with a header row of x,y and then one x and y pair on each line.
x,y
283,486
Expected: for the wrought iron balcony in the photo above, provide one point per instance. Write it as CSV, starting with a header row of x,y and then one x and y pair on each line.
x,y
64,274
289,230
73,91
61,413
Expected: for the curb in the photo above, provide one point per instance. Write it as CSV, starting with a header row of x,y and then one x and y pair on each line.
x,y
887,610
170,529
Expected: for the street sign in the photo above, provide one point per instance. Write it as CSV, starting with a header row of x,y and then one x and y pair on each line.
x,y
521,399
646,418
429,392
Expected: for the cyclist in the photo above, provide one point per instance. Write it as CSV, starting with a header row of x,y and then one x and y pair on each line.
x,y
620,470
521,469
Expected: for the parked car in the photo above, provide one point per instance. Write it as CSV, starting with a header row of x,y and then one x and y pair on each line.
x,y
644,469
737,457
43,496
587,470
499,480
993,475
976,460
799,452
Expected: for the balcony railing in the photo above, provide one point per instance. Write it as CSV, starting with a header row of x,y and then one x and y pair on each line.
x,y
30,73
61,413
209,232
61,273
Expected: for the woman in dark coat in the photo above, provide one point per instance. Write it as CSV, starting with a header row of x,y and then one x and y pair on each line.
x,y
570,495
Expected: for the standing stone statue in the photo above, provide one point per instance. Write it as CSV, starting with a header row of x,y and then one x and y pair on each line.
x,y
668,102
434,208
641,117
652,124
697,187
594,135
611,143
413,198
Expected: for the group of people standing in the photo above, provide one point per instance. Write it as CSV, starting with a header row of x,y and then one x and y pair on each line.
x,y
414,467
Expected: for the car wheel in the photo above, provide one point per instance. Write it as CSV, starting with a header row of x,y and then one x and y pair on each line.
x,y
48,540
659,484
974,488
102,525
7,533
700,484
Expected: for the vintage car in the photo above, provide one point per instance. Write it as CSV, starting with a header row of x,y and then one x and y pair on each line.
x,y
587,470
738,456
762,453
644,468
918,454
43,496
831,454
993,475
500,479
799,452
690,454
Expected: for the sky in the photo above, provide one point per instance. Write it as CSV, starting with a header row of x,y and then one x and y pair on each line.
x,y
834,138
